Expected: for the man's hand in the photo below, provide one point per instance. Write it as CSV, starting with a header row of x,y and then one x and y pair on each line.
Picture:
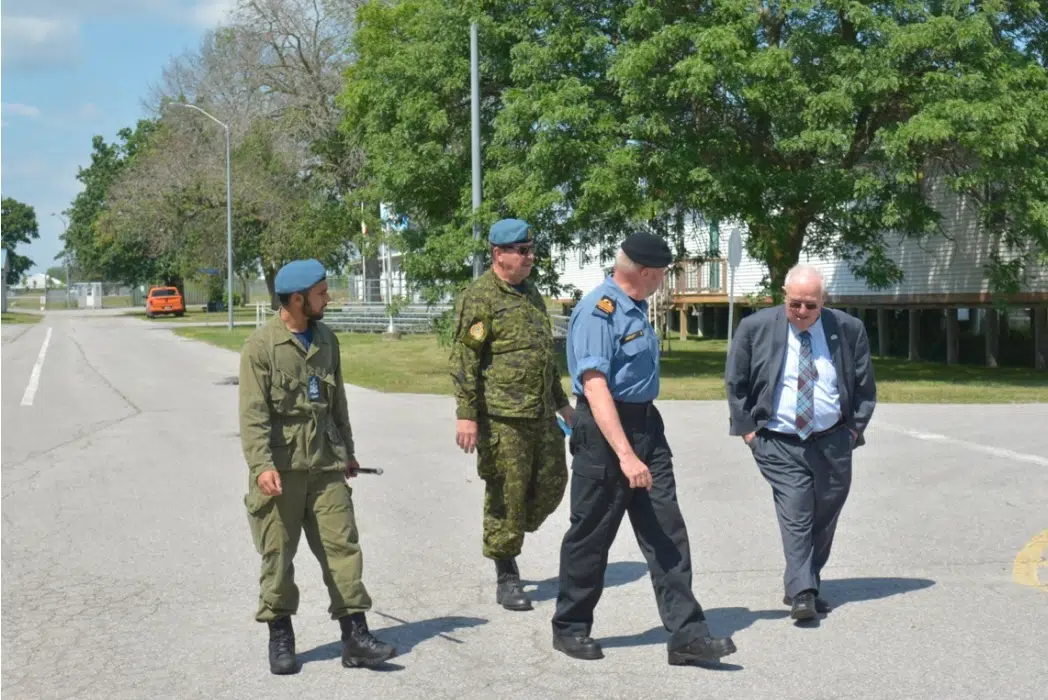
x,y
748,438
568,414
855,435
466,434
269,482
351,468
636,471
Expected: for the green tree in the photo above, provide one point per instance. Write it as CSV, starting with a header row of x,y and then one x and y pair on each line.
x,y
19,226
97,256
820,125
824,125
407,105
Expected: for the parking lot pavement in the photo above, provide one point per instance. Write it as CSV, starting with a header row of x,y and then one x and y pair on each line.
x,y
128,571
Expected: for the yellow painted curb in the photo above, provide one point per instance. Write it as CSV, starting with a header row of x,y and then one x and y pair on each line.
x,y
1029,559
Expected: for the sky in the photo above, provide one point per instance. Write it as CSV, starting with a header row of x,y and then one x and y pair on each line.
x,y
72,69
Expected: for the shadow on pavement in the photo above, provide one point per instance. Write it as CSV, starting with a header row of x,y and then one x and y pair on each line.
x,y
618,573
842,591
723,622
405,636
729,621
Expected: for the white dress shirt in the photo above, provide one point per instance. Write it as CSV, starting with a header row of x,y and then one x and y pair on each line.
x,y
827,400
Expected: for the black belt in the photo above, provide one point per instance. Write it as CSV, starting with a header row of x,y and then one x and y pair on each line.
x,y
793,437
622,406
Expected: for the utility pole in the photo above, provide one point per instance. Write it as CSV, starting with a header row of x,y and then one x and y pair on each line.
x,y
474,66
229,210
65,228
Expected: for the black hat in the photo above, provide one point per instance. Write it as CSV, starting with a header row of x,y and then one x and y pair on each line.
x,y
647,249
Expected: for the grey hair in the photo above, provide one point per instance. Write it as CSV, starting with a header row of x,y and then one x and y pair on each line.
x,y
802,271
625,263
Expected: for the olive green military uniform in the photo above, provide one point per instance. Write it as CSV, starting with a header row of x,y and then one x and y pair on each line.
x,y
506,379
294,417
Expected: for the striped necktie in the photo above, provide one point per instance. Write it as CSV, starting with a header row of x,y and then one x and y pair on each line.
x,y
806,378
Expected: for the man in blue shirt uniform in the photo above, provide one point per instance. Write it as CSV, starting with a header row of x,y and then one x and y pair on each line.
x,y
621,463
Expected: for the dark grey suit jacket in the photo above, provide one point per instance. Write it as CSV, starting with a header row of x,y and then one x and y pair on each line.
x,y
755,365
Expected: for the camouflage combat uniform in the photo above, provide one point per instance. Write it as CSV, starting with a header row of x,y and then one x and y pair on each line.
x,y
506,379
294,418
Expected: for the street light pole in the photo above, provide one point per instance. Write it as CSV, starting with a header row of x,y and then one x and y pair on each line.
x,y
229,211
474,68
65,225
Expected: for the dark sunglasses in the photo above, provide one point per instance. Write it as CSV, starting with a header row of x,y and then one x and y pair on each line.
x,y
809,305
519,249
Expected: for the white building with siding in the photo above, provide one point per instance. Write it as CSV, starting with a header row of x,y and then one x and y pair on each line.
x,y
944,277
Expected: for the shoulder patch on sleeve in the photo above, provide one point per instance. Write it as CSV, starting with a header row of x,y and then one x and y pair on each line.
x,y
605,307
476,334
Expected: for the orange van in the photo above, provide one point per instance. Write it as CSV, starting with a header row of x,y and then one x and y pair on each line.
x,y
164,300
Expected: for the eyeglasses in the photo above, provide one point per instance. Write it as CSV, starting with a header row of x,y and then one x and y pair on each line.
x,y
809,305
523,250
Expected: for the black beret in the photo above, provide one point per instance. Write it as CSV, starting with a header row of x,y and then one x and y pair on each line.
x,y
647,249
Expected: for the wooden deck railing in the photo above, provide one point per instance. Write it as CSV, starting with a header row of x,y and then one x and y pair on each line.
x,y
707,277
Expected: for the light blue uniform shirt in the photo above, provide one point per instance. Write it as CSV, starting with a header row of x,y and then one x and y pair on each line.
x,y
609,332
827,398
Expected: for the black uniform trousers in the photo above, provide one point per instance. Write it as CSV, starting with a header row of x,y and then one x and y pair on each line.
x,y
600,496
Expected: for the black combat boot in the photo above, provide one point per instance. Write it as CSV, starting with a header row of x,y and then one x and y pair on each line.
x,y
509,593
359,647
702,648
282,647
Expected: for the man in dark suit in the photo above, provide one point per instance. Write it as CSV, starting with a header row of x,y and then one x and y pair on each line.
x,y
801,392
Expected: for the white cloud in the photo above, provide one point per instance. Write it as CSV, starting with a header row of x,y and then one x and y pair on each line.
x,y
211,13
21,110
88,111
32,43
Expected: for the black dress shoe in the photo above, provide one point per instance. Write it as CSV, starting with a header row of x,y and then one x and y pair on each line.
x,y
585,648
702,649
821,606
803,606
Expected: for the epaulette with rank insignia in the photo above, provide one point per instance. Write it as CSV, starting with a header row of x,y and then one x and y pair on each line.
x,y
605,307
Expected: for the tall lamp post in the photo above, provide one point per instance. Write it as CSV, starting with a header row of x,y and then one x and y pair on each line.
x,y
229,211
474,69
65,225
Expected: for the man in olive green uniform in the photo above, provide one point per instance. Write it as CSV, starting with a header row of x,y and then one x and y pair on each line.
x,y
508,392
297,441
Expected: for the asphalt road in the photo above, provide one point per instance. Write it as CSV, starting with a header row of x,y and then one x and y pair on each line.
x,y
128,570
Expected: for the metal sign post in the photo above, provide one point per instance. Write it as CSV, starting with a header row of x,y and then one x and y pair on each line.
x,y
734,258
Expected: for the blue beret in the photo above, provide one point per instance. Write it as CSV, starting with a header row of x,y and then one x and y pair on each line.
x,y
510,231
298,276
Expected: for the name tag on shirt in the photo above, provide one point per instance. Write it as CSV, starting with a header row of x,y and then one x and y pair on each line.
x,y
633,336
314,388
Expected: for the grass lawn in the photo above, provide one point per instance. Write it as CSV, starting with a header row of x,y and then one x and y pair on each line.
x,y
15,317
194,315
693,370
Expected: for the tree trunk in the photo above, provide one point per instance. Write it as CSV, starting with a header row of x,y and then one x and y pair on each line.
x,y
784,252
270,273
176,281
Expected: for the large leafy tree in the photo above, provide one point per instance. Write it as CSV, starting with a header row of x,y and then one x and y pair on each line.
x,y
98,256
406,101
821,125
19,226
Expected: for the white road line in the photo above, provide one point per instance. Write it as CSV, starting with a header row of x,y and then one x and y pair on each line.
x,y
34,377
975,446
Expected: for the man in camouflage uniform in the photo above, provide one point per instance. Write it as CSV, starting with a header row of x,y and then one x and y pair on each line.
x,y
508,392
297,441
